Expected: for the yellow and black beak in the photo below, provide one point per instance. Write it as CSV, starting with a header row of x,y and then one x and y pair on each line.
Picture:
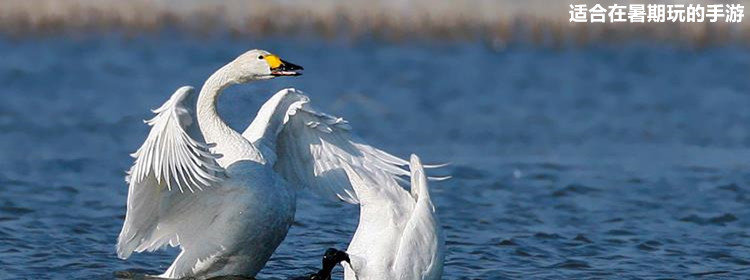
x,y
282,68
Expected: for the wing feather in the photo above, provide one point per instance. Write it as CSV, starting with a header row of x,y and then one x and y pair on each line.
x,y
174,155
311,147
421,248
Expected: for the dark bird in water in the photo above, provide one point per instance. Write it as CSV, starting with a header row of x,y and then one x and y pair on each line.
x,y
330,260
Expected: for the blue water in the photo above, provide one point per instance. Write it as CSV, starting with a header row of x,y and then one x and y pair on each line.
x,y
601,162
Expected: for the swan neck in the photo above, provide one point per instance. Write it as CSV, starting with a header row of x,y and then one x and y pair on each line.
x,y
226,141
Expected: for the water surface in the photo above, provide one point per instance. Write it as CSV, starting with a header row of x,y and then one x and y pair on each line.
x,y
603,162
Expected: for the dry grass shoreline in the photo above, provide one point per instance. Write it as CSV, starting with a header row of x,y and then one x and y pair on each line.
x,y
499,22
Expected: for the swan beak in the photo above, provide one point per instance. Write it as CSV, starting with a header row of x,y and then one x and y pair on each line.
x,y
280,67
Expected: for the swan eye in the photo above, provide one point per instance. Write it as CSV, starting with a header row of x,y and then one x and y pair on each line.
x,y
260,57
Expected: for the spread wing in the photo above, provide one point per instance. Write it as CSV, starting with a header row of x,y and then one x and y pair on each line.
x,y
311,147
421,249
413,241
172,165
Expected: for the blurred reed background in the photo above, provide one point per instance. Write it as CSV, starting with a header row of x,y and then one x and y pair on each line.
x,y
498,22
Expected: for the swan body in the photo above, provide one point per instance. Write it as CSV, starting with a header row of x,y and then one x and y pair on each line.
x,y
398,236
228,199
234,228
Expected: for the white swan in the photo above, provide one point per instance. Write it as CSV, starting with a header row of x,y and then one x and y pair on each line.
x,y
228,200
398,236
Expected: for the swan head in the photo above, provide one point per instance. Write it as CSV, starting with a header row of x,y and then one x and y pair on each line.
x,y
262,65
